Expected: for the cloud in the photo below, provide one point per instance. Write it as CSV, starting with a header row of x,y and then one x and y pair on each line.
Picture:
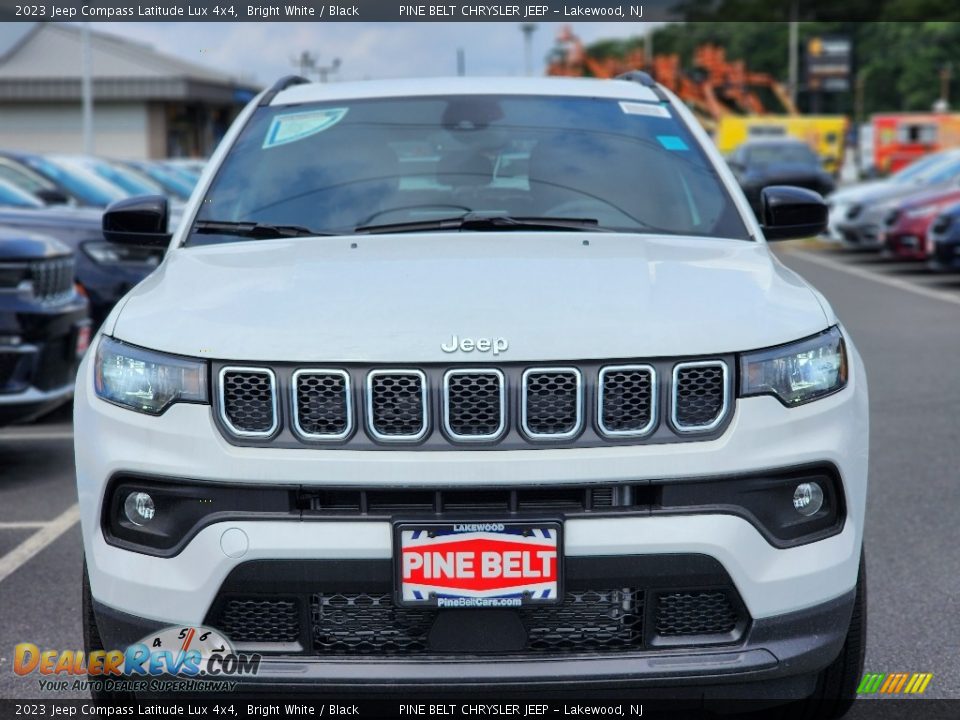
x,y
263,51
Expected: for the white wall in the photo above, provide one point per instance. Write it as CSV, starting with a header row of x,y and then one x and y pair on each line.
x,y
120,129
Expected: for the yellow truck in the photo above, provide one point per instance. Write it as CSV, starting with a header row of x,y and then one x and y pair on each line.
x,y
824,133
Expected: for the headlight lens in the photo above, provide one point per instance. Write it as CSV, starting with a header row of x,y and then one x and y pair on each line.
x,y
797,373
147,381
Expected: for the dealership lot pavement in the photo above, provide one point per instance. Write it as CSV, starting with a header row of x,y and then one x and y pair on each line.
x,y
905,322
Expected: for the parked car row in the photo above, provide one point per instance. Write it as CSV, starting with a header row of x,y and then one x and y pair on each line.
x,y
59,278
911,215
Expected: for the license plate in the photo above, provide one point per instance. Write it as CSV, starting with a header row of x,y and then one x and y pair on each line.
x,y
477,564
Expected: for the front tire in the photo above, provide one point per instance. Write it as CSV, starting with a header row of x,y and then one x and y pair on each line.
x,y
837,683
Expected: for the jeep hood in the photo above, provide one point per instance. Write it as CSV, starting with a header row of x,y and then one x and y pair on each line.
x,y
397,298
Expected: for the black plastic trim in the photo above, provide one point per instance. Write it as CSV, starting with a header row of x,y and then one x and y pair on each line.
x,y
279,86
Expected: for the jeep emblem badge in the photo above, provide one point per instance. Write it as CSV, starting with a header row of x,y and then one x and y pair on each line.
x,y
496,345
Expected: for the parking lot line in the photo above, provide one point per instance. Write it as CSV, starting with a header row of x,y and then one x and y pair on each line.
x,y
21,525
35,434
876,277
48,533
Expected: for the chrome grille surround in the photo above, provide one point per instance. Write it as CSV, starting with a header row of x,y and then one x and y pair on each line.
x,y
297,398
675,399
224,412
372,410
448,399
654,398
525,410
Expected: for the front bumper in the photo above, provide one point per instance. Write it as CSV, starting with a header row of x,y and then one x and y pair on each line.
x,y
862,234
946,255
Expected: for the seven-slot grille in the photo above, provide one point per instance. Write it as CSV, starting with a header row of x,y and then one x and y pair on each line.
x,y
52,278
536,405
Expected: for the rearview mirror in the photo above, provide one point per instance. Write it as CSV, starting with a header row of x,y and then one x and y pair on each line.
x,y
139,220
790,212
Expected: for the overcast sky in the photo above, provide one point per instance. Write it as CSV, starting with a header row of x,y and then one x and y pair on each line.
x,y
264,51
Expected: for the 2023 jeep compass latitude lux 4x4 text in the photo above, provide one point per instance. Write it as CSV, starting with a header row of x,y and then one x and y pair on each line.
x,y
462,384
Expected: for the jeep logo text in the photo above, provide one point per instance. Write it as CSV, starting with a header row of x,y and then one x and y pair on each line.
x,y
497,345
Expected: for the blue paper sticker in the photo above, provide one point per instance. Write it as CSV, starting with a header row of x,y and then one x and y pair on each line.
x,y
291,127
672,142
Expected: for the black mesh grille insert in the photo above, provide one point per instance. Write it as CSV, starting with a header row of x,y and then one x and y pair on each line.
x,y
699,395
627,400
695,613
370,624
322,403
268,620
8,365
553,402
589,620
248,400
367,623
396,401
474,404
52,278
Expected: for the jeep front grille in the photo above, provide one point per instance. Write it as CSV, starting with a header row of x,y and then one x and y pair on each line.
x,y
52,278
248,399
512,406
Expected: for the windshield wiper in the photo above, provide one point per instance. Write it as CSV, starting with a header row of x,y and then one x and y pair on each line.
x,y
481,222
253,230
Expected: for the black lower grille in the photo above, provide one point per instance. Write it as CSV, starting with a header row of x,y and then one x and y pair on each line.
x,y
370,624
267,620
8,366
695,613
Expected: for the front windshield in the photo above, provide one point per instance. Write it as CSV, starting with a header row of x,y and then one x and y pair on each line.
x,y
12,196
942,172
78,182
918,167
333,167
124,179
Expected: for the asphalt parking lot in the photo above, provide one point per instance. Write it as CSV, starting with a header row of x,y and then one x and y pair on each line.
x,y
906,323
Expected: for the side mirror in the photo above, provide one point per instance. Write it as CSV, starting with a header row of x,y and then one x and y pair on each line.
x,y
139,220
789,212
51,196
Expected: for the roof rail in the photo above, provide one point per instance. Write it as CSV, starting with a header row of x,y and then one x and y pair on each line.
x,y
645,79
281,85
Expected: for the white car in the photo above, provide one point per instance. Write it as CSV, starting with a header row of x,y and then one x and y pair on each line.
x,y
395,420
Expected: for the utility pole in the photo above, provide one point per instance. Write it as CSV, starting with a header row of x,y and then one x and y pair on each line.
x,y
528,29
793,52
86,88
461,63
648,50
307,62
323,71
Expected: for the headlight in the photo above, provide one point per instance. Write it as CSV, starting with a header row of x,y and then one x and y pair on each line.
x,y
799,372
922,211
106,253
147,381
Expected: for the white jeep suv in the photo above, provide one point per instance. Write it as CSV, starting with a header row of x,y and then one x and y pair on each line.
x,y
465,384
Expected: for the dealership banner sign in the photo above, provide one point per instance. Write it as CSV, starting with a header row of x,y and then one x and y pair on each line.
x,y
489,11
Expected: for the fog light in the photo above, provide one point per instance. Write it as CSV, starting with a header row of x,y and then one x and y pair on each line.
x,y
139,508
807,499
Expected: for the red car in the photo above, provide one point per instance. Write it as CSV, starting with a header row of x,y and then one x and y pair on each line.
x,y
906,225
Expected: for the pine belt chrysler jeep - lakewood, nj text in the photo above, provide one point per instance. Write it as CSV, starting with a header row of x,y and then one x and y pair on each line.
x,y
472,384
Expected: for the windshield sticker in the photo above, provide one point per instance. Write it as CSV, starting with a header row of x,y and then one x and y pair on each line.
x,y
648,109
672,142
291,127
